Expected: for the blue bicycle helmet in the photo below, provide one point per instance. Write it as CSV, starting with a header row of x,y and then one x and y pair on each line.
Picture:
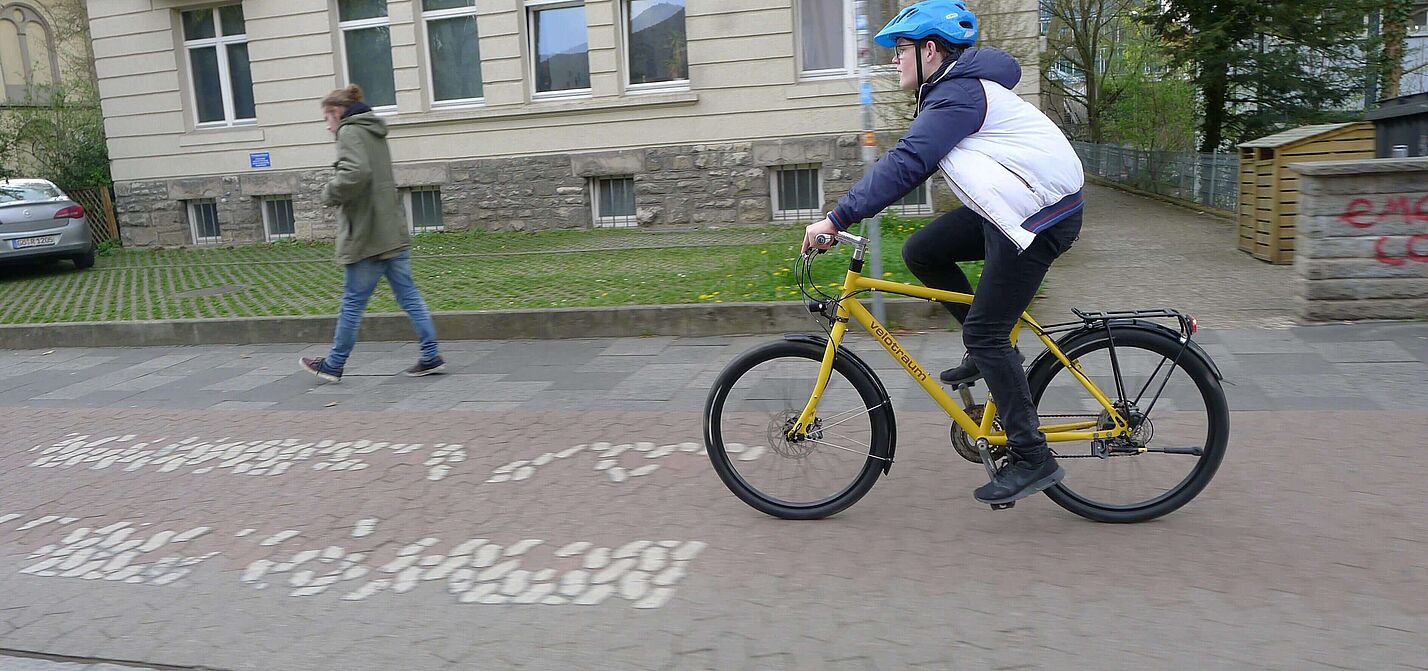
x,y
947,19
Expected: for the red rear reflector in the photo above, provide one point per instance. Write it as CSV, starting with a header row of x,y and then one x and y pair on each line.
x,y
71,212
1194,325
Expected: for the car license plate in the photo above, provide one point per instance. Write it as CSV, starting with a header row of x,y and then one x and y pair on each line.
x,y
42,241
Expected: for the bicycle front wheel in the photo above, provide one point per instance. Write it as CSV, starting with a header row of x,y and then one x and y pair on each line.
x,y
760,395
1174,403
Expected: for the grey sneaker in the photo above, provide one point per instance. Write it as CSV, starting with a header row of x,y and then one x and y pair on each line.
x,y
436,366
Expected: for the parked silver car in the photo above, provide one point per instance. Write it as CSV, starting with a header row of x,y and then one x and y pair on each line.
x,y
39,222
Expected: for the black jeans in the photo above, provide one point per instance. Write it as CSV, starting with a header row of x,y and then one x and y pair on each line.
x,y
1008,283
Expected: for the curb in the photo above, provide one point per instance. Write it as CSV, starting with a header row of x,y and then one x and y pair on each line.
x,y
559,323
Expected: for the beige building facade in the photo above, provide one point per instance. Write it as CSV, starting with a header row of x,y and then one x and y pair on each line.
x,y
43,43
503,114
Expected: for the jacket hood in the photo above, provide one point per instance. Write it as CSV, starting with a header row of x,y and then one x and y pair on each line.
x,y
990,64
367,121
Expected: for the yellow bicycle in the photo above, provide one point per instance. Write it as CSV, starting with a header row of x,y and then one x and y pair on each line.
x,y
801,428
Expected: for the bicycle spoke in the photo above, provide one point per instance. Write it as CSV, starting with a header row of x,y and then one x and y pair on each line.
x,y
852,414
846,449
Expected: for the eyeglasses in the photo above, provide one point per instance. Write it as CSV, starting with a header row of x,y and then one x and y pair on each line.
x,y
897,51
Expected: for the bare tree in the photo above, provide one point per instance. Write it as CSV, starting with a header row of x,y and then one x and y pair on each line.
x,y
1083,66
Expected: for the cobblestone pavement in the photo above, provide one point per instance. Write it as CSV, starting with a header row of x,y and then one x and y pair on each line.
x,y
1135,252
548,506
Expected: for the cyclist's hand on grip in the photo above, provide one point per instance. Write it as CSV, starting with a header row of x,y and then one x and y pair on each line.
x,y
810,236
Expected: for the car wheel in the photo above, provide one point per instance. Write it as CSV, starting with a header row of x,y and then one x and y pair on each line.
x,y
85,260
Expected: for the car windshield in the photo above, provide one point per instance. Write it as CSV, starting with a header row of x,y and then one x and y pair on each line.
x,y
14,192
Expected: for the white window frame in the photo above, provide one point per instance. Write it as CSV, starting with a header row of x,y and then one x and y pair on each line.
x,y
268,222
411,218
917,210
615,221
435,15
358,24
220,44
850,45
192,207
651,87
775,174
531,6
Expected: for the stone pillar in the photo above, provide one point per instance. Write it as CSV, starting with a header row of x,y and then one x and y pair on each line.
x,y
1361,242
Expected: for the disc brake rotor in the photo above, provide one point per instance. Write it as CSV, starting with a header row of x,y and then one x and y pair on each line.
x,y
793,449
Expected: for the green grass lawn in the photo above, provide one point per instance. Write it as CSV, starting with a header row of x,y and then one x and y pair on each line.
x,y
455,271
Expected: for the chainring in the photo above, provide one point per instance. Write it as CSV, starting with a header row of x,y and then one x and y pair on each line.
x,y
966,446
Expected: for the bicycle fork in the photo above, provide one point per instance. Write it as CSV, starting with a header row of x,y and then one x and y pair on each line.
x,y
825,372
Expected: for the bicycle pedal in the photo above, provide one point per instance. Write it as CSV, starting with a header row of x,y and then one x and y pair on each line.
x,y
1002,506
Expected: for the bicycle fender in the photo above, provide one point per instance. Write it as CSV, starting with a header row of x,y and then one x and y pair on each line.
x,y
822,341
1065,342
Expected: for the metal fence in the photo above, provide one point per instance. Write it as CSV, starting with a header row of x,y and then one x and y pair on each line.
x,y
1211,180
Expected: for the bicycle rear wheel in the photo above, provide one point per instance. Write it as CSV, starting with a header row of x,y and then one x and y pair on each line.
x,y
760,395
1172,400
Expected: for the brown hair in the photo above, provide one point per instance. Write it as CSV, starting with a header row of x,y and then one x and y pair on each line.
x,y
344,97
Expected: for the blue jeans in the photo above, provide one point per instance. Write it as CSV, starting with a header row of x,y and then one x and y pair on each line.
x,y
362,278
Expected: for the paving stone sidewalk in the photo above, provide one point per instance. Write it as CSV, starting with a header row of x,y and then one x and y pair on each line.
x,y
547,506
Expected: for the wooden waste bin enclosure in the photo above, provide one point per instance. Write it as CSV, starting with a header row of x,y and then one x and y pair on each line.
x,y
1269,190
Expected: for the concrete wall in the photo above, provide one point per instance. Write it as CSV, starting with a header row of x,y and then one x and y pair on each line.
x,y
1362,239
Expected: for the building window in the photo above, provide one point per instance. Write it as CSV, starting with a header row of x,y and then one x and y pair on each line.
x,y
917,201
1418,23
614,202
560,49
278,217
826,44
1066,71
216,42
798,192
27,56
367,50
424,209
655,44
455,51
203,221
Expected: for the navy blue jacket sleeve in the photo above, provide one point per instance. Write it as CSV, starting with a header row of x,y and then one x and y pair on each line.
x,y
956,109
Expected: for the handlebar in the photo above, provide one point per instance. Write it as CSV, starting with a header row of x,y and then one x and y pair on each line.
x,y
859,244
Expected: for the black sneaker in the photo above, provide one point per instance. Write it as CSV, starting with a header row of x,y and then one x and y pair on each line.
x,y
1020,479
434,367
320,368
967,372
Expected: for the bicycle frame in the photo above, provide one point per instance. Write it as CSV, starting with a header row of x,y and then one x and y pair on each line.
x,y
850,307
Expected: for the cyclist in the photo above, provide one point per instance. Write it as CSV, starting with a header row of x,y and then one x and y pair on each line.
x,y
1020,185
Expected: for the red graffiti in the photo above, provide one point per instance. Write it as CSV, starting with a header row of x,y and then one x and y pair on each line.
x,y
1362,213
1414,249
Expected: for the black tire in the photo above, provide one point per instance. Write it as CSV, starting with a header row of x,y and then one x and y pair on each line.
x,y
1206,397
734,410
85,260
